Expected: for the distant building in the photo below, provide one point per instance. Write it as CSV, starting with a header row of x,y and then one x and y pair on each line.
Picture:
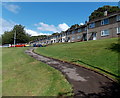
x,y
119,4
104,27
107,26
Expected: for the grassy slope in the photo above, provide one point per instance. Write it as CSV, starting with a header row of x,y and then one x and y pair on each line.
x,y
25,76
99,53
0,71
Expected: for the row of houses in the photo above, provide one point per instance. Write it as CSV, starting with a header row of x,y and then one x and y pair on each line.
x,y
107,26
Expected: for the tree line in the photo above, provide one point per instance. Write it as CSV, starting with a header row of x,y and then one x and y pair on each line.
x,y
21,36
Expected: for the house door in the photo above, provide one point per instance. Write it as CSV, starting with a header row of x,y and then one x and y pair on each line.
x,y
85,37
94,36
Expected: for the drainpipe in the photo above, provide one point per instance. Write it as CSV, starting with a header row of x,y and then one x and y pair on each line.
x,y
87,32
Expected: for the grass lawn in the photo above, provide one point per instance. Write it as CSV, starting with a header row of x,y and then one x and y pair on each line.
x,y
25,76
100,53
0,71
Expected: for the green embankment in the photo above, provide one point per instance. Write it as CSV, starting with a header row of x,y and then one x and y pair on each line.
x,y
102,54
25,76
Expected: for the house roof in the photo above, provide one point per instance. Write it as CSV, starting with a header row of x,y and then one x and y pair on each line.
x,y
103,17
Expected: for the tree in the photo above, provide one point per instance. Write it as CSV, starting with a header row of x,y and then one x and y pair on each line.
x,y
7,37
35,38
55,33
100,11
21,35
74,26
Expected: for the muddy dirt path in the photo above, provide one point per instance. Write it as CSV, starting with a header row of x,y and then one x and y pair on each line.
x,y
85,83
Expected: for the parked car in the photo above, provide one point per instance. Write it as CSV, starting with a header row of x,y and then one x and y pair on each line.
x,y
12,46
37,45
27,45
6,45
22,45
34,45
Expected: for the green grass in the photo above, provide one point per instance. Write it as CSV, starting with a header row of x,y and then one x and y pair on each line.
x,y
0,71
100,53
25,76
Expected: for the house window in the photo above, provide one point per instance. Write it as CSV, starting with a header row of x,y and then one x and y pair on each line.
x,y
73,32
105,21
92,25
79,30
118,17
73,38
68,33
118,30
78,37
104,32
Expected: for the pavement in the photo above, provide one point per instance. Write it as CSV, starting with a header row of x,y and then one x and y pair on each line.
x,y
85,83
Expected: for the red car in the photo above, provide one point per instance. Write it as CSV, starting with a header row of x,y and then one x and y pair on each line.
x,y
23,45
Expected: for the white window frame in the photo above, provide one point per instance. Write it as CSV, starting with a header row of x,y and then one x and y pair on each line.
x,y
92,25
103,21
103,31
118,28
79,30
73,32
78,37
118,18
73,37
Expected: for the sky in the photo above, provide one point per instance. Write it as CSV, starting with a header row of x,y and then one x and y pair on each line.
x,y
45,18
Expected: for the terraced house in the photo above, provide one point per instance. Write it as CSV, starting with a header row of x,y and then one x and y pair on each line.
x,y
107,26
104,27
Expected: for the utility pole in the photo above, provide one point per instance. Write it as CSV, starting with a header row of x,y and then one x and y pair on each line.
x,y
14,38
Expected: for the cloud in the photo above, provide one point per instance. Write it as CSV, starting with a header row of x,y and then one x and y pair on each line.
x,y
81,24
63,26
6,25
34,33
46,27
11,7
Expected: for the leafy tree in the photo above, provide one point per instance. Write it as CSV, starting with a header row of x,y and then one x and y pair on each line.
x,y
8,37
21,35
100,11
35,38
74,26
0,40
55,33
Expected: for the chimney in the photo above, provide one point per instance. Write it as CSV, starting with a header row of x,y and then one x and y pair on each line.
x,y
85,22
105,13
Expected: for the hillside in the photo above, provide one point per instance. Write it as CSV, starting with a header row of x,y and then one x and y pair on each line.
x,y
99,54
24,76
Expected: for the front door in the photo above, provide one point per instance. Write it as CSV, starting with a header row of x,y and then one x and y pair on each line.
x,y
84,37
